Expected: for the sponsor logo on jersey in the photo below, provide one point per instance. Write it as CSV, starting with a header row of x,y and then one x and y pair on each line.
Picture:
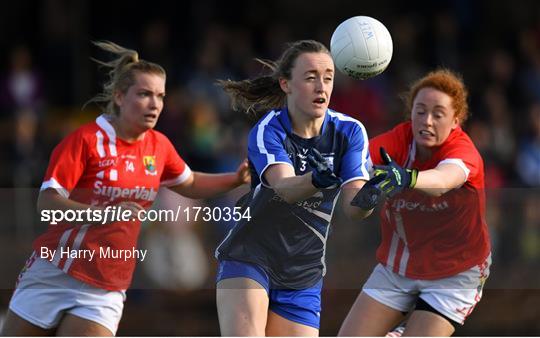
x,y
402,204
140,193
107,162
150,165
130,157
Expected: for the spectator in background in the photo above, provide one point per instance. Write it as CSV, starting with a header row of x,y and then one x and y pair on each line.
x,y
156,44
528,158
21,96
501,125
528,169
209,65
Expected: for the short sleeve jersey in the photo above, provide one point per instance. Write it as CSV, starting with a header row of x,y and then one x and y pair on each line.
x,y
426,237
93,166
289,240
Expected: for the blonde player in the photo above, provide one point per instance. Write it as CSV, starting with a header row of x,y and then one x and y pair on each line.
x,y
117,160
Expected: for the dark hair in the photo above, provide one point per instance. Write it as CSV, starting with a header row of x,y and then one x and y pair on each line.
x,y
446,81
121,74
263,93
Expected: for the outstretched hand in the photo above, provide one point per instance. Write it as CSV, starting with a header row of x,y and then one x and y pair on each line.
x,y
396,178
389,180
322,175
370,194
242,173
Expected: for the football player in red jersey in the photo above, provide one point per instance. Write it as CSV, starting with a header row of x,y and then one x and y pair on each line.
x,y
435,252
118,160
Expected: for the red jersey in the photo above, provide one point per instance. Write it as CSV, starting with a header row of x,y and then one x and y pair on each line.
x,y
93,166
427,237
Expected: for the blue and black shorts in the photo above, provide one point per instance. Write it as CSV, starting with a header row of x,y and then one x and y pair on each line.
x,y
300,306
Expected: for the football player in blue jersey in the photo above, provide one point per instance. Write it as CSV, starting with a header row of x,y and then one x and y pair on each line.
x,y
301,155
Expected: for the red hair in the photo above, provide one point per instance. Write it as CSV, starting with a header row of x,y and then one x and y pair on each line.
x,y
448,82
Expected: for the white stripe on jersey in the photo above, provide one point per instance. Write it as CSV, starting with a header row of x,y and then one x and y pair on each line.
x,y
321,237
320,214
177,180
397,236
99,144
318,234
404,261
270,158
393,250
52,183
76,246
344,117
405,254
459,163
324,238
61,244
323,257
216,252
257,190
399,227
393,243
113,175
111,134
365,149
412,155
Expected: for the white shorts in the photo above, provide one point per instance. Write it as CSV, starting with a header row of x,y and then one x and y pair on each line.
x,y
455,297
45,293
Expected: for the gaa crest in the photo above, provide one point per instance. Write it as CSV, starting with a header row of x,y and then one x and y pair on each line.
x,y
150,165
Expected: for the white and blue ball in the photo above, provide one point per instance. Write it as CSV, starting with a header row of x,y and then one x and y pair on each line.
x,y
361,47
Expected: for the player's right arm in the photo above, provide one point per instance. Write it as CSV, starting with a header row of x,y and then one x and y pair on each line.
x,y
50,199
276,170
288,186
440,180
448,175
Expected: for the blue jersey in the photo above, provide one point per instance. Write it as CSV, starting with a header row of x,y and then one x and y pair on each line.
x,y
289,240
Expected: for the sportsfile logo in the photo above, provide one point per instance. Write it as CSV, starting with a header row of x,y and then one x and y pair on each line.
x,y
117,213
140,193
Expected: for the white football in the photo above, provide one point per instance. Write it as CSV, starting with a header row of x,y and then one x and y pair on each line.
x,y
361,47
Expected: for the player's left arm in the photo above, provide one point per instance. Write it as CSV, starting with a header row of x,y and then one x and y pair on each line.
x,y
203,185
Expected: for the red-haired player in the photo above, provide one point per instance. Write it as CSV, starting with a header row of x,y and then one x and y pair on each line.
x,y
435,252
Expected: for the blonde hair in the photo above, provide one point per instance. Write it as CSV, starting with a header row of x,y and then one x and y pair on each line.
x,y
121,74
